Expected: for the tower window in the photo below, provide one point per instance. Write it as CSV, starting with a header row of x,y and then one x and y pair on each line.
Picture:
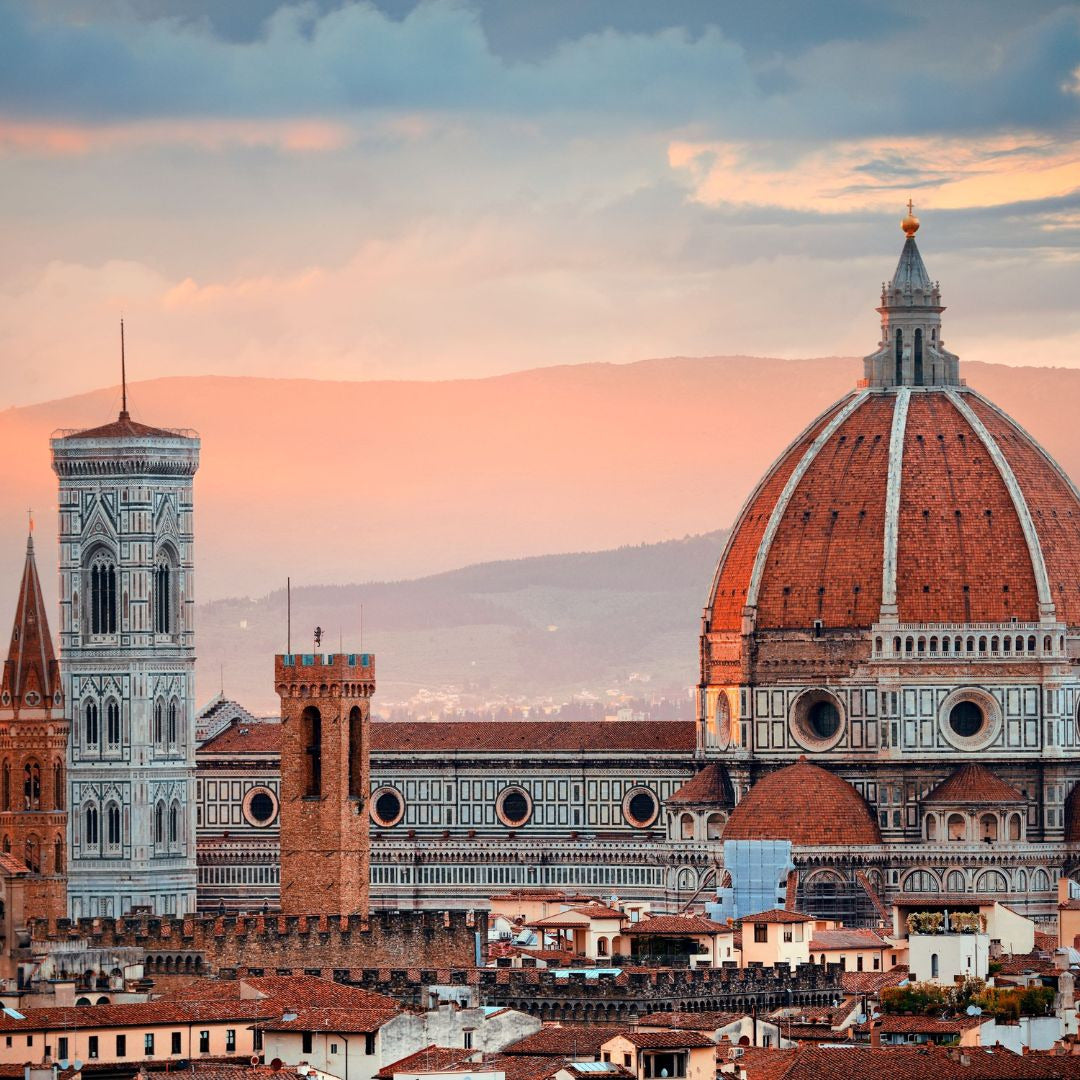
x,y
31,786
163,598
112,825
356,753
103,596
174,824
112,723
312,734
174,710
159,824
90,723
90,826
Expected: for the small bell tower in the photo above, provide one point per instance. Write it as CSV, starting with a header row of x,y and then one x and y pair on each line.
x,y
325,721
33,742
911,351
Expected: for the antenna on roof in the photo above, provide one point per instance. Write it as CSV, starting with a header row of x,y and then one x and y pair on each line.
x,y
288,615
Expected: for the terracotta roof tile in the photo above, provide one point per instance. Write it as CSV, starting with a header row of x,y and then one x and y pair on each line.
x,y
690,1021
677,736
125,428
805,804
777,915
246,737
431,1059
973,784
318,1018
560,1040
710,787
669,1037
872,982
677,924
960,538
847,939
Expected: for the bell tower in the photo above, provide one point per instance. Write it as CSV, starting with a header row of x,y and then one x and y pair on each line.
x,y
33,743
325,720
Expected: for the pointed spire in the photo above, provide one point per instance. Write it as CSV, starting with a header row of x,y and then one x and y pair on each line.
x,y
31,676
124,414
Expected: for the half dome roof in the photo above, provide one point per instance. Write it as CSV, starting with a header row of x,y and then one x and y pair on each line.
x,y
974,784
929,504
807,805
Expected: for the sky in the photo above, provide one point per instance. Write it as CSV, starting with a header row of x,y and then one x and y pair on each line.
x,y
446,189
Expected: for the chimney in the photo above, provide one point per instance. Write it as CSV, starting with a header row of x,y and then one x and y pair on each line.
x,y
875,1032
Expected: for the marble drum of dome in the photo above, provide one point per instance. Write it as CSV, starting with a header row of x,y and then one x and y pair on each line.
x,y
900,594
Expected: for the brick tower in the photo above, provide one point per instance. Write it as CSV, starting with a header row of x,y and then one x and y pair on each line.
x,y
325,719
33,743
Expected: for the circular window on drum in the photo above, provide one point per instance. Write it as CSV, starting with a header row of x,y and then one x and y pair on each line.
x,y
970,719
514,806
260,807
387,807
817,720
640,807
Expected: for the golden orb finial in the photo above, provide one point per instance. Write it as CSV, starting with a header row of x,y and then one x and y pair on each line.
x,y
910,224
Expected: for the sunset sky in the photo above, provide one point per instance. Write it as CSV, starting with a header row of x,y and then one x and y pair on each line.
x,y
443,189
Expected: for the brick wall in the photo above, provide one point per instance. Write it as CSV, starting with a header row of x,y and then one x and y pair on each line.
x,y
329,945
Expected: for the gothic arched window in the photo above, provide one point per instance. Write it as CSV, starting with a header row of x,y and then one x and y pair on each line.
x,y
31,785
159,722
7,785
90,826
58,854
32,854
163,616
112,723
174,824
103,595
174,711
356,753
90,724
312,734
58,785
159,824
112,825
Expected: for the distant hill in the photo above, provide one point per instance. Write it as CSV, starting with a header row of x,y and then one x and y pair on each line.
x,y
552,625
343,482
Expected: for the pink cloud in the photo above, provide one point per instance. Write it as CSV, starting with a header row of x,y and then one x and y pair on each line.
x,y
873,174
287,136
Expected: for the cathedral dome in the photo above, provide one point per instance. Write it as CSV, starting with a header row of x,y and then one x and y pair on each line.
x,y
929,505
913,499
807,805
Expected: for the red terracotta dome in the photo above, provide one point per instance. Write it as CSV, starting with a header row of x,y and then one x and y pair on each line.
x,y
927,503
807,805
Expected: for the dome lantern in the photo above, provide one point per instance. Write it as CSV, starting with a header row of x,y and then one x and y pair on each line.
x,y
911,351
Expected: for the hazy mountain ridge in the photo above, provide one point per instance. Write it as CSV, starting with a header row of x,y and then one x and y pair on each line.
x,y
382,481
547,625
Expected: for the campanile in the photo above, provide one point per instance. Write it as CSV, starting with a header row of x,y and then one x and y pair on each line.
x,y
325,719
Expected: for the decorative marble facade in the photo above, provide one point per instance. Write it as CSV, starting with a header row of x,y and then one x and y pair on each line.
x,y
127,658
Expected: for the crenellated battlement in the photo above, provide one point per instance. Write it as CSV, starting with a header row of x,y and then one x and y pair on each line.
x,y
243,944
614,994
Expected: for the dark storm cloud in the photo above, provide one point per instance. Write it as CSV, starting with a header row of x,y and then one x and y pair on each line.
x,y
771,68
